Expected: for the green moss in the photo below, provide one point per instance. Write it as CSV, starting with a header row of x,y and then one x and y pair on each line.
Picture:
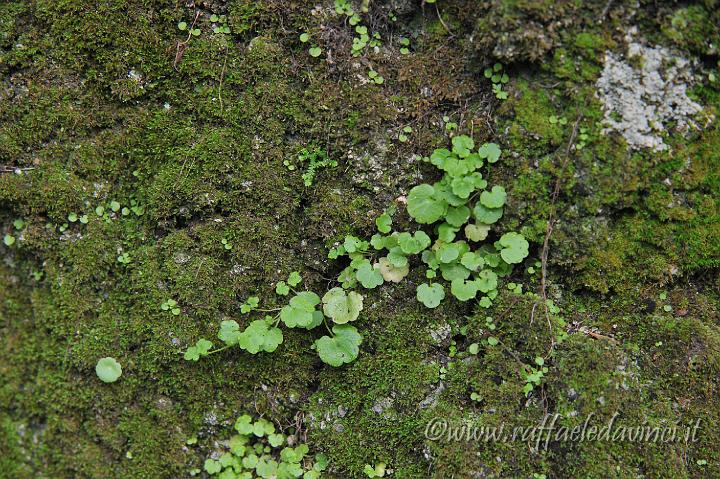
x,y
695,28
112,108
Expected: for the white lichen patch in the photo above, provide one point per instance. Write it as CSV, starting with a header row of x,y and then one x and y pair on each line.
x,y
645,90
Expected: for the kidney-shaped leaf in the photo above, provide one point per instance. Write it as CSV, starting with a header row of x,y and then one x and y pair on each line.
x,y
342,307
343,347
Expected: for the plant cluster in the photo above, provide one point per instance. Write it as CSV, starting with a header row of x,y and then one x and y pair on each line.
x,y
258,450
534,375
314,50
363,38
18,225
219,24
315,159
403,137
171,306
459,210
106,212
305,310
449,125
183,26
124,258
404,46
375,77
374,471
498,78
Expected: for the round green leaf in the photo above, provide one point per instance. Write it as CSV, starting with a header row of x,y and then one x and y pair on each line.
x,y
305,301
463,290
487,215
258,336
515,247
462,144
494,198
369,276
472,261
384,223
477,232
342,307
413,244
343,347
453,271
430,294
486,280
393,273
424,205
294,317
108,370
491,151
457,215
447,253
462,186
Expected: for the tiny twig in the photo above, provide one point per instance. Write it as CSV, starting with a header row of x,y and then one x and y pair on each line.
x,y
181,46
606,10
222,77
10,169
441,20
550,225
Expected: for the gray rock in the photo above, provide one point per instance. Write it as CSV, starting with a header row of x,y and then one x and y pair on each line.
x,y
643,90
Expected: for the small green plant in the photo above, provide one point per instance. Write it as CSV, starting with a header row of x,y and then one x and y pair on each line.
x,y
375,77
201,348
226,244
315,159
108,370
220,22
490,323
450,126
498,78
384,221
375,471
534,375
183,26
445,204
404,46
283,288
583,139
250,304
258,450
403,137
123,258
9,240
363,38
554,120
171,306
264,335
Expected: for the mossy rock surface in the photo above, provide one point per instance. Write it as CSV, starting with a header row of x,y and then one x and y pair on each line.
x,y
108,101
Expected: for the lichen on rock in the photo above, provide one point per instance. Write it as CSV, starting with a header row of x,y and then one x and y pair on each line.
x,y
644,90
